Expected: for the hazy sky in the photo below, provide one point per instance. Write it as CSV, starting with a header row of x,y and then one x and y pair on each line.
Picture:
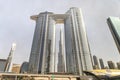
x,y
16,26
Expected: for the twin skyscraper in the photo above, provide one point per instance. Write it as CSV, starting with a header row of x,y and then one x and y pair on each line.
x,y
74,52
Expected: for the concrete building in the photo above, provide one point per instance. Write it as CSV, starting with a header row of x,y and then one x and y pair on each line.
x,y
96,63
118,65
61,55
2,64
42,57
114,26
16,68
101,63
111,65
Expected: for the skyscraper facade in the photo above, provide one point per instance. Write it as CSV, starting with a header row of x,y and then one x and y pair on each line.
x,y
101,63
111,65
118,65
96,64
77,52
8,64
114,26
2,64
24,67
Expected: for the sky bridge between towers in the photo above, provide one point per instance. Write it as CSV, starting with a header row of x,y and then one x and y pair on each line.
x,y
59,18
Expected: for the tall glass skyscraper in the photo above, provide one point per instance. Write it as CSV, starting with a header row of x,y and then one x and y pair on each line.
x,y
101,63
8,65
114,26
77,53
96,63
61,55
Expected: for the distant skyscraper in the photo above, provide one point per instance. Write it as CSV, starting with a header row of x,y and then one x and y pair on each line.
x,y
77,52
96,64
101,63
118,65
8,65
61,55
2,64
111,65
114,26
24,67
